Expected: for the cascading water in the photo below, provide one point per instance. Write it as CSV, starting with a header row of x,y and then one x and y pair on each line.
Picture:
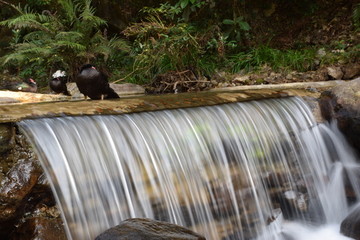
x,y
220,170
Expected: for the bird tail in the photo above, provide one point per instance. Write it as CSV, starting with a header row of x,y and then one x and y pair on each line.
x,y
111,94
66,92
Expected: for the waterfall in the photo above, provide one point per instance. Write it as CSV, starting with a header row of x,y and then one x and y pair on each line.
x,y
224,171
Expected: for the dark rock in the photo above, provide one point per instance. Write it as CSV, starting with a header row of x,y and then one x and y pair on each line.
x,y
27,205
40,228
342,103
19,175
7,133
16,186
142,228
350,226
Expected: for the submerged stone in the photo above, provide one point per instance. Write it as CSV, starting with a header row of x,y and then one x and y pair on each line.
x,y
143,228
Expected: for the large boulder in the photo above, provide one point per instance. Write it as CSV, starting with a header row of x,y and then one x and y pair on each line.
x,y
27,205
342,103
350,226
143,228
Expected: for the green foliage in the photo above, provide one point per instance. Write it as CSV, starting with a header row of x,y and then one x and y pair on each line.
x,y
356,16
237,28
64,39
300,60
338,54
161,46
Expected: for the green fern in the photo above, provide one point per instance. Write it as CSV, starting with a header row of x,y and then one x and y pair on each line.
x,y
65,38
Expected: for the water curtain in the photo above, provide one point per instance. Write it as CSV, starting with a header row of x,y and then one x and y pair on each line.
x,y
224,171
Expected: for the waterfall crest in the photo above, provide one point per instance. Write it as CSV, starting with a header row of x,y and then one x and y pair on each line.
x,y
223,171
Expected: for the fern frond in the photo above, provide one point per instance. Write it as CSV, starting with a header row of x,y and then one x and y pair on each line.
x,y
70,45
88,15
27,20
24,52
98,38
70,10
13,57
86,55
37,35
72,36
102,50
119,44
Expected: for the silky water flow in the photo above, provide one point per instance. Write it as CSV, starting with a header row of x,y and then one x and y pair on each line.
x,y
255,170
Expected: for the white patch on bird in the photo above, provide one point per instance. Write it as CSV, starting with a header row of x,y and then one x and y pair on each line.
x,y
59,73
19,88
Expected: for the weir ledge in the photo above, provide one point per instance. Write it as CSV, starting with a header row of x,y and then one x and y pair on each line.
x,y
43,105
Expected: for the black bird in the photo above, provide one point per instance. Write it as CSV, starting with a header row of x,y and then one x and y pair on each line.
x,y
58,82
94,84
28,85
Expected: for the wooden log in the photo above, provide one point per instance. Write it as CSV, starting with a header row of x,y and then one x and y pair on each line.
x,y
18,111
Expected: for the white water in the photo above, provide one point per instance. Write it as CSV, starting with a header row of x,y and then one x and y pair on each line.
x,y
203,168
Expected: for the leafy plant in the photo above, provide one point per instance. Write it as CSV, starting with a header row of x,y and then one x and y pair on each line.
x,y
63,39
300,60
356,16
161,46
237,28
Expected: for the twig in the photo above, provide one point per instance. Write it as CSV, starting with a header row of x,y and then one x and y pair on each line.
x,y
121,79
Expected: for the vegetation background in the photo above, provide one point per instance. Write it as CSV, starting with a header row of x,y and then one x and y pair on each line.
x,y
162,43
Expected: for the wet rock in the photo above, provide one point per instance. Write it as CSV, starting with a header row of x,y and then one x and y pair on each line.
x,y
342,103
19,174
335,72
25,193
350,226
142,228
7,133
16,186
40,228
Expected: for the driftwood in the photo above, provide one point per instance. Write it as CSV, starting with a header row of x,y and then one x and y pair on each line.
x,y
176,82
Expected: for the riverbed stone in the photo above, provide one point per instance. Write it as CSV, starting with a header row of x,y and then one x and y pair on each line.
x,y
143,228
350,226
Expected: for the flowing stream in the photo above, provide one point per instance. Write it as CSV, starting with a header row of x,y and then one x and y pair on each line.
x,y
224,171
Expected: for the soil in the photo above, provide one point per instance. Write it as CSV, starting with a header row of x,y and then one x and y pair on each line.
x,y
326,25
